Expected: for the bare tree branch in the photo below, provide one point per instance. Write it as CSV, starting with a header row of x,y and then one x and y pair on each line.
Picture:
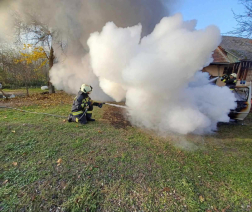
x,y
244,21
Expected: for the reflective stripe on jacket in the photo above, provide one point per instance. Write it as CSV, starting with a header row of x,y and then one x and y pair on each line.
x,y
230,82
80,103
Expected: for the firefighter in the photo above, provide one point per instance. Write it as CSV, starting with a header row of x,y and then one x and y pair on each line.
x,y
230,81
83,106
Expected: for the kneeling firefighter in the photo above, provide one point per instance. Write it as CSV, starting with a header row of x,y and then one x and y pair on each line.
x,y
230,80
83,106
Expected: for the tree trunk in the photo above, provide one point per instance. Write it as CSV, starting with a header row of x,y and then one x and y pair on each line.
x,y
26,86
51,59
51,88
27,72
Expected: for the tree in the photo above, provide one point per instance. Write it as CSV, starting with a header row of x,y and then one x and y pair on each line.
x,y
244,21
23,66
8,68
37,33
28,61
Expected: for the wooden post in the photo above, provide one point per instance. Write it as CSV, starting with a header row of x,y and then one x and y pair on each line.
x,y
26,83
246,71
27,89
239,69
3,93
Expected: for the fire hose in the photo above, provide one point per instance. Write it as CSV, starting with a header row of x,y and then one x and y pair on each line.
x,y
48,114
32,112
114,105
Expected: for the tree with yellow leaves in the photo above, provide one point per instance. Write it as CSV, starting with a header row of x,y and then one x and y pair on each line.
x,y
32,29
32,58
36,54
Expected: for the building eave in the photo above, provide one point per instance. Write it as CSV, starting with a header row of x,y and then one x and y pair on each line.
x,y
219,63
219,49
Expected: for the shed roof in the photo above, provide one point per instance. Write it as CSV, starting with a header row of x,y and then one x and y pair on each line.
x,y
240,47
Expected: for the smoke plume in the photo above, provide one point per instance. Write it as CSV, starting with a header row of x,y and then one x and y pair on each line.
x,y
156,72
74,21
158,75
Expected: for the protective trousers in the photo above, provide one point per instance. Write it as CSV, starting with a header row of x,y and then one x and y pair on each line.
x,y
81,116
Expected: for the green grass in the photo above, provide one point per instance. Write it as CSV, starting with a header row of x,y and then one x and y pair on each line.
x,y
22,91
102,168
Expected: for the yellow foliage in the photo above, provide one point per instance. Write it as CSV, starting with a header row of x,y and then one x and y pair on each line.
x,y
37,53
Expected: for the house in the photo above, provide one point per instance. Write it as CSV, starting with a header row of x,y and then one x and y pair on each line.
x,y
233,55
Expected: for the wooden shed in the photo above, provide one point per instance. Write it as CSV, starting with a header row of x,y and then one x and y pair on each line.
x,y
233,55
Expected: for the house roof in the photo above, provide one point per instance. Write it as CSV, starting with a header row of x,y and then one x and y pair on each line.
x,y
239,47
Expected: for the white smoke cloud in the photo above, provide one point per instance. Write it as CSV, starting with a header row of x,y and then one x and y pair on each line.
x,y
69,75
73,21
6,32
158,75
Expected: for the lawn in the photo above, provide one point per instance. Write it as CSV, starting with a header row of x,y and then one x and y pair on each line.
x,y
22,91
48,164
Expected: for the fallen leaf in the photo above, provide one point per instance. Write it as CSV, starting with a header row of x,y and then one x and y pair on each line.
x,y
224,210
13,131
104,191
33,198
63,184
77,200
14,163
211,173
201,198
6,181
59,161
166,189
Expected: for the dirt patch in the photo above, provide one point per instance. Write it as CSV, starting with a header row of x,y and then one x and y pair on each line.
x,y
16,93
116,116
43,99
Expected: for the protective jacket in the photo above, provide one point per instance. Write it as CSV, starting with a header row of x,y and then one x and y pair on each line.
x,y
231,83
82,102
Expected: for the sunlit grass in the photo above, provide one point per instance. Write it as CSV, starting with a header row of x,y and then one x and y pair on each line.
x,y
48,163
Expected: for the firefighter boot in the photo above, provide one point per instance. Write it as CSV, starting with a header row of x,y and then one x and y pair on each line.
x,y
89,117
70,118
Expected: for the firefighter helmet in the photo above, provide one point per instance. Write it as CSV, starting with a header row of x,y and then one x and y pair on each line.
x,y
86,88
233,75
